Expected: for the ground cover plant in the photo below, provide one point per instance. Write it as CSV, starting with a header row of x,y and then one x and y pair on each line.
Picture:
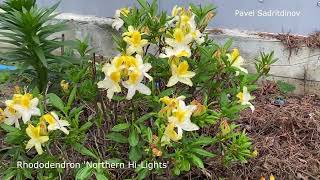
x,y
165,105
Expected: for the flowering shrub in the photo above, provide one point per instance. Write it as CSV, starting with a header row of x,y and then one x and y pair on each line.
x,y
173,96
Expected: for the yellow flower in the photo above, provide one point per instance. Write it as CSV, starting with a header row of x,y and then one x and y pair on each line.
x,y
118,22
11,115
178,51
237,61
181,74
245,97
179,38
176,11
135,41
181,117
111,81
136,72
171,104
36,139
25,105
64,85
272,177
171,134
134,84
54,123
200,108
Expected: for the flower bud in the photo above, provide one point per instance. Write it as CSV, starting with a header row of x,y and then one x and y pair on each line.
x,y
156,152
64,85
201,109
17,90
43,127
272,177
225,128
2,116
255,153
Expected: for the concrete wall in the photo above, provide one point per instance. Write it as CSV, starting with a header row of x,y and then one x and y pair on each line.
x,y
307,22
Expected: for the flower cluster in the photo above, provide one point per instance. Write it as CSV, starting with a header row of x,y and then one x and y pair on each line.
x,y
24,106
39,134
179,43
179,116
129,71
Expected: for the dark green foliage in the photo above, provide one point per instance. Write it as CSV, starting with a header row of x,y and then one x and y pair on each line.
x,y
27,28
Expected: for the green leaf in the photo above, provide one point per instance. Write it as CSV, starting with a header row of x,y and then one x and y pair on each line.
x,y
202,152
228,44
196,161
84,173
56,101
185,165
101,176
120,127
40,55
135,153
86,126
83,150
117,137
143,4
143,173
9,174
203,141
8,128
72,97
167,92
133,137
145,117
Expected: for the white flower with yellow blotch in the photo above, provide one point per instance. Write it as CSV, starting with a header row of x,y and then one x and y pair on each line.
x,y
237,61
25,105
118,22
181,73
179,38
144,68
36,138
175,14
181,117
195,33
171,134
111,80
134,84
178,51
171,104
55,123
245,97
11,116
134,39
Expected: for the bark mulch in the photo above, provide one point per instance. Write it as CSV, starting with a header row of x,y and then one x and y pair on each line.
x,y
287,138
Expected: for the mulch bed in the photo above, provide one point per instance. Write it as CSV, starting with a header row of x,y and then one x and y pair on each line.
x,y
287,138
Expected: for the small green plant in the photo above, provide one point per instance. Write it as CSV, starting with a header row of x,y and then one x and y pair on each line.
x,y
28,29
285,87
264,62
